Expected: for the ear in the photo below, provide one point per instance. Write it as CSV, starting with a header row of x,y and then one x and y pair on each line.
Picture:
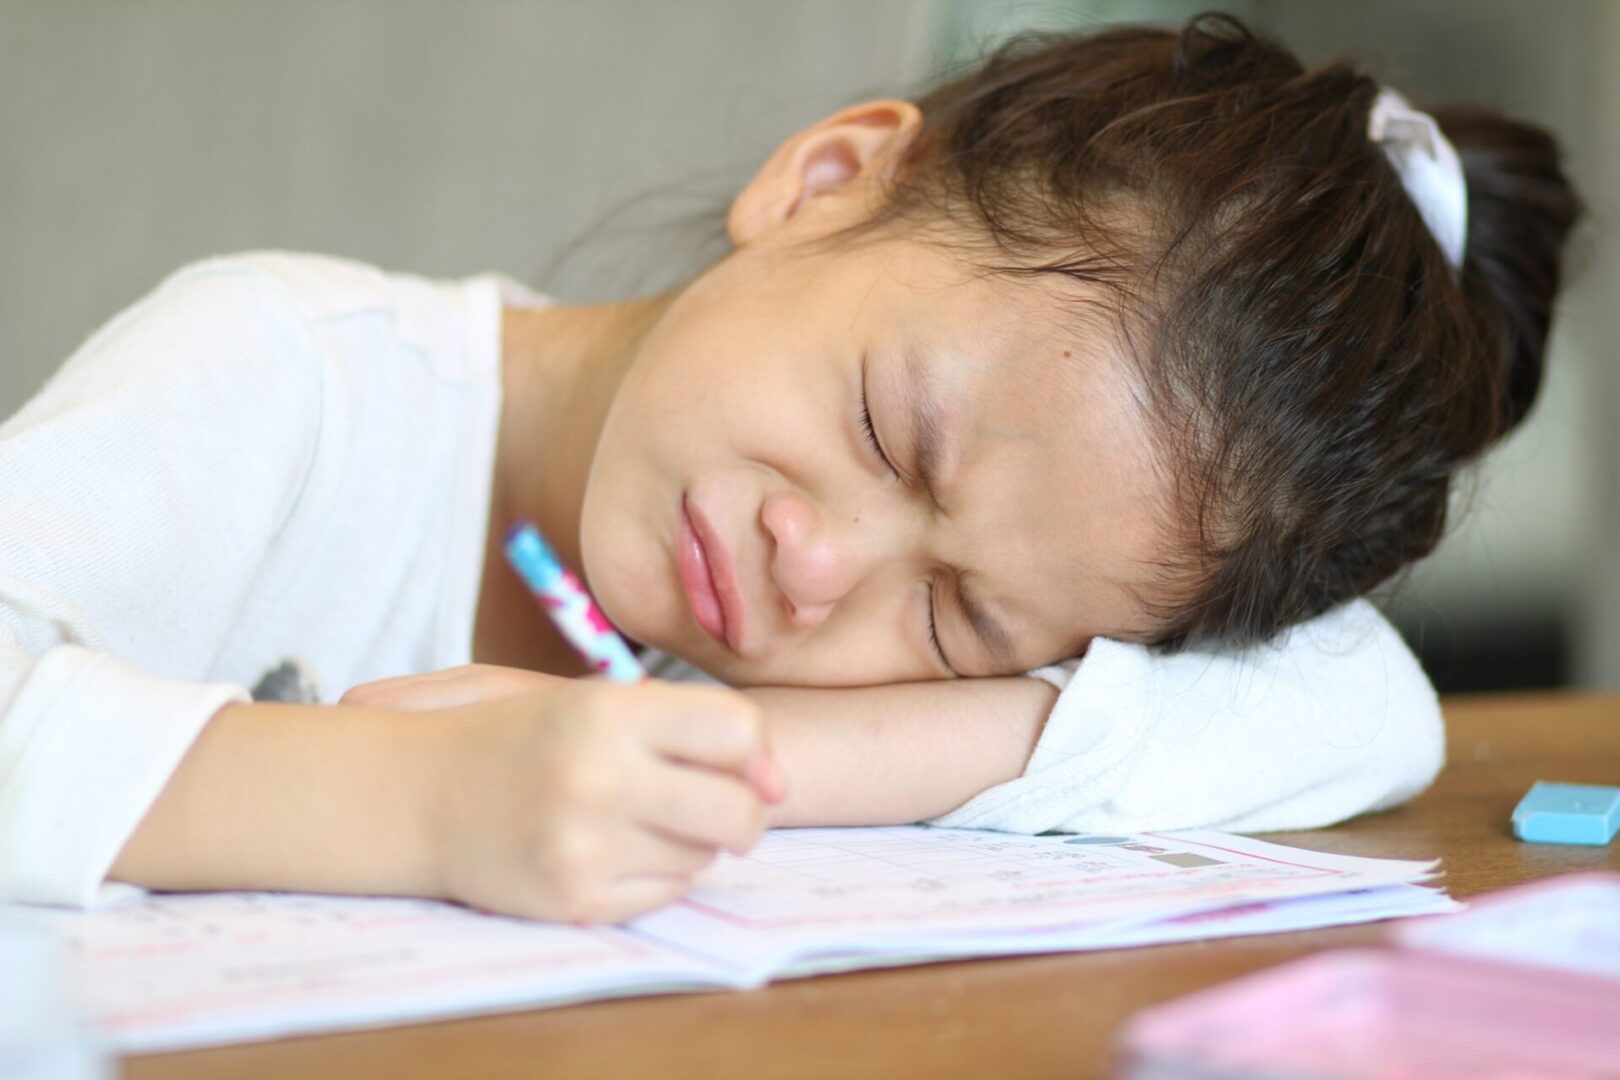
x,y
864,141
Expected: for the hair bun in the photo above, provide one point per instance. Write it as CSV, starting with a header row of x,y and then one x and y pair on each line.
x,y
1521,208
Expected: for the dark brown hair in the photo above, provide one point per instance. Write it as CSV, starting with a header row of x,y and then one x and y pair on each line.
x,y
1316,371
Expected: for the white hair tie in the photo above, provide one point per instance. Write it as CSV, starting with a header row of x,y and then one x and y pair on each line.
x,y
1430,170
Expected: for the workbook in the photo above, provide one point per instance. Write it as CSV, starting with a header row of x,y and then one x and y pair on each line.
x,y
167,971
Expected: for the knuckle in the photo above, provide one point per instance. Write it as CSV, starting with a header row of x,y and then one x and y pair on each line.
x,y
586,702
615,697
738,720
573,854
589,784
598,714
750,722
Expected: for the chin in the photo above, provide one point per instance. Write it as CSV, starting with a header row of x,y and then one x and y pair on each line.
x,y
638,588
694,647
655,624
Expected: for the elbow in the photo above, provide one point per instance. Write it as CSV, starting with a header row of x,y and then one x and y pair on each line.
x,y
1396,768
1416,756
1393,767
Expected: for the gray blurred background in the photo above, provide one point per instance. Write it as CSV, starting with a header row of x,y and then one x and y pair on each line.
x,y
590,148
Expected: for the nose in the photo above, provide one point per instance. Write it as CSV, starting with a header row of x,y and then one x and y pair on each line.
x,y
812,565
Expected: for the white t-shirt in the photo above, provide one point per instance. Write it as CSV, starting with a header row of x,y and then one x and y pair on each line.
x,y
270,478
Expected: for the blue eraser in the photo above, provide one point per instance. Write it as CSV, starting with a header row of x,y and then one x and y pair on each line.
x,y
1567,814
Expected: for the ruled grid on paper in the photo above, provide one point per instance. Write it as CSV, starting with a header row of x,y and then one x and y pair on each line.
x,y
166,971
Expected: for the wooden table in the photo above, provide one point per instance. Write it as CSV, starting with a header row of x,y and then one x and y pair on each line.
x,y
1040,1016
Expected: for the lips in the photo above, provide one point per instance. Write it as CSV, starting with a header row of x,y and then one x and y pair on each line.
x,y
709,578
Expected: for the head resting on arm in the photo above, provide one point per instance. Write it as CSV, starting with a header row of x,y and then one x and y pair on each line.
x,y
1316,370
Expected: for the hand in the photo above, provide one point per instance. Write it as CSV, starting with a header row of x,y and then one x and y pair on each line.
x,y
448,687
591,801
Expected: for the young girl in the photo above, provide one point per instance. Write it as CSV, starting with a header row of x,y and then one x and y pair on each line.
x,y
1136,347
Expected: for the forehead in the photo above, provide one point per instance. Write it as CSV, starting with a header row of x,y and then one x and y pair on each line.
x,y
1055,492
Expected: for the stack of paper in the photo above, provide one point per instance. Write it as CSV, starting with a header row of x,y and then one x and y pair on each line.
x,y
179,970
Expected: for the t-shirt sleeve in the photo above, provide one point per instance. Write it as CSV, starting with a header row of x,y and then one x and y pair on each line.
x,y
1335,718
141,489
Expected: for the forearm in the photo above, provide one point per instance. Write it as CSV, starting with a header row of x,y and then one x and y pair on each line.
x,y
318,798
893,754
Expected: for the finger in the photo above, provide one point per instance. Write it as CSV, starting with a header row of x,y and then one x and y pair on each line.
x,y
447,688
718,728
431,693
397,692
765,776
610,902
637,895
649,850
700,807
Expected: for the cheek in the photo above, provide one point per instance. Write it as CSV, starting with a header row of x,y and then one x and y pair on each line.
x,y
647,453
865,647
626,526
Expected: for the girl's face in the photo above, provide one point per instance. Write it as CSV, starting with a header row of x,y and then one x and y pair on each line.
x,y
822,462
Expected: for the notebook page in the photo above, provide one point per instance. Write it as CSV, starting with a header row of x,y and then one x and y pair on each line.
x,y
169,971
816,892
1266,917
180,970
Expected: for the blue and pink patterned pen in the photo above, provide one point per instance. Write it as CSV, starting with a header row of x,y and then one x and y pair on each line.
x,y
570,606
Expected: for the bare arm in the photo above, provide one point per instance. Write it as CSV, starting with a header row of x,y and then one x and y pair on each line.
x,y
576,799
866,755
881,755
297,797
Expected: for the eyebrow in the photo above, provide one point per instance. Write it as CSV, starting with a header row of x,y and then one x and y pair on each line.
x,y
929,440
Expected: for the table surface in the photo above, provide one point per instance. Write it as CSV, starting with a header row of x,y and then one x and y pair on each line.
x,y
1031,1016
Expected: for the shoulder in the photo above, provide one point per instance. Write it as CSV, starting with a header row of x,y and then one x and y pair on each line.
x,y
454,323
313,286
242,317
215,312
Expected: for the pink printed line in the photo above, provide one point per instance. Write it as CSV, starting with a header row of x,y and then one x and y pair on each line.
x,y
724,916
125,952
1079,917
302,995
1247,854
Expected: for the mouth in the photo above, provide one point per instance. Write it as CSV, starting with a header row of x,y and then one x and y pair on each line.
x,y
709,578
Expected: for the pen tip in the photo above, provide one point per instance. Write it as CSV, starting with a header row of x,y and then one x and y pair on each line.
x,y
520,529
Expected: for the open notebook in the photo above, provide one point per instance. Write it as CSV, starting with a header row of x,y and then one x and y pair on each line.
x,y
179,970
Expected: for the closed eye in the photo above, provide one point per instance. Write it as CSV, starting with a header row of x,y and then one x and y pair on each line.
x,y
870,431
933,632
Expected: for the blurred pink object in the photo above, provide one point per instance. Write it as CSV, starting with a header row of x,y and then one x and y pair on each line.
x,y
1513,989
1571,921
